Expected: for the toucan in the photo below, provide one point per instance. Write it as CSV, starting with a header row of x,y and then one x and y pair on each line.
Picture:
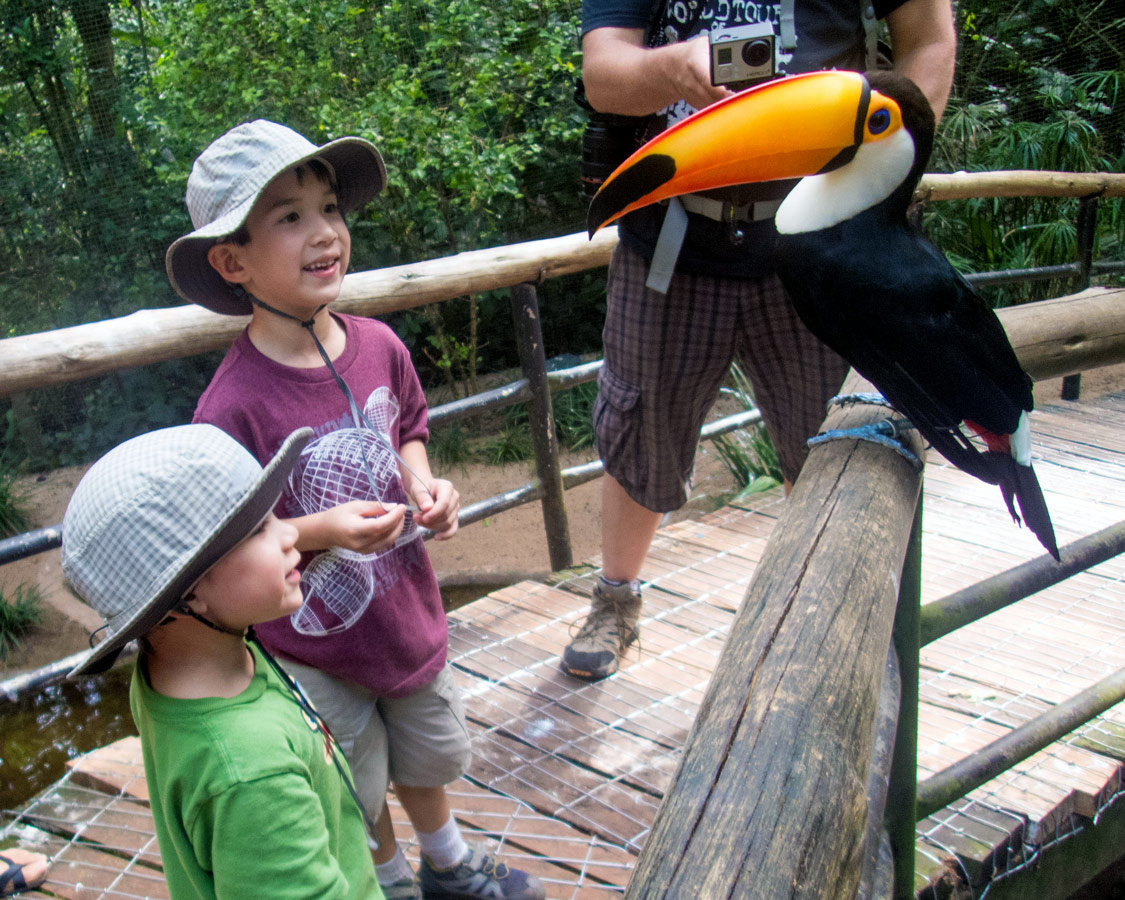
x,y
863,279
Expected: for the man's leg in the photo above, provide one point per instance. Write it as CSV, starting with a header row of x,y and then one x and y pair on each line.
x,y
615,605
627,530
666,356
793,374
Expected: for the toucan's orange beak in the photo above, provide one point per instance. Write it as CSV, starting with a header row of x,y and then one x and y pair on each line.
x,y
796,126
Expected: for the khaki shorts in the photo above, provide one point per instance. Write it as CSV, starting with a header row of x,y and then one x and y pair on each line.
x,y
666,356
420,740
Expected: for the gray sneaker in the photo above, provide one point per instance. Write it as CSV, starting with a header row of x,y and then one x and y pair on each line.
x,y
478,875
609,629
404,889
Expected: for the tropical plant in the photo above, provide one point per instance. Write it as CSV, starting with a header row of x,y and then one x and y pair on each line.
x,y
1037,87
14,517
18,616
449,445
748,453
574,415
105,103
512,444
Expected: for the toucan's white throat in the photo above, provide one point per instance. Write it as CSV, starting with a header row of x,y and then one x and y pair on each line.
x,y
821,201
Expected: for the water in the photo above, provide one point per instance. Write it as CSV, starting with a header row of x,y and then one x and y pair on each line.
x,y
46,727
50,725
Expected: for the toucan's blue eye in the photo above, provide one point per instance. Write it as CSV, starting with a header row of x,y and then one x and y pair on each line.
x,y
879,121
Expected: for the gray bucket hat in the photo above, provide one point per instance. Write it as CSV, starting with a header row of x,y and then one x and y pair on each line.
x,y
229,176
153,515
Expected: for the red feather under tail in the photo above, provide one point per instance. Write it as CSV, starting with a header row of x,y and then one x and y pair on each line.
x,y
997,443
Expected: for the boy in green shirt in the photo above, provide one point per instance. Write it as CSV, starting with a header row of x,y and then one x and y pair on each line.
x,y
172,539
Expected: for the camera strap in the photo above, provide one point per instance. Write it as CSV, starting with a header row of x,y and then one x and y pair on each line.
x,y
870,33
667,249
788,26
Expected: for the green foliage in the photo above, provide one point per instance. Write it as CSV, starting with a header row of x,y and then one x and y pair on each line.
x,y
749,453
14,517
105,104
574,415
1037,87
80,421
512,444
449,446
18,616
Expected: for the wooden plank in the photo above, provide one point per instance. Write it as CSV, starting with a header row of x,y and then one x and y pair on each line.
x,y
85,872
568,775
114,769
568,863
981,839
584,799
1103,737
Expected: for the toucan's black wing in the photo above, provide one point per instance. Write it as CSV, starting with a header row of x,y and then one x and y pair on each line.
x,y
895,309
889,303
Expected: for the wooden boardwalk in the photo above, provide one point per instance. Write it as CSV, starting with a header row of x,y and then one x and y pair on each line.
x,y
568,776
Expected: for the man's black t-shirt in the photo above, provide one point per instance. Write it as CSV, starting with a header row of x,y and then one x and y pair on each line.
x,y
829,36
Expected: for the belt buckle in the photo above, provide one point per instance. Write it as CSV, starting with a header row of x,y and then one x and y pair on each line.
x,y
734,234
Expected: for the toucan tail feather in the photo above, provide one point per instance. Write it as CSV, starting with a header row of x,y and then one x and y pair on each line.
x,y
1034,508
1020,482
1009,496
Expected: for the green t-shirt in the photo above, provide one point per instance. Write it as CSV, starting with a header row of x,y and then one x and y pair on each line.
x,y
246,799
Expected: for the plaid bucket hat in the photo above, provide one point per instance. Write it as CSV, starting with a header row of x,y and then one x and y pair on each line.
x,y
150,517
227,179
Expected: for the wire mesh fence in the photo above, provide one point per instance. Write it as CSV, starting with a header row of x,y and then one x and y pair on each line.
x,y
105,103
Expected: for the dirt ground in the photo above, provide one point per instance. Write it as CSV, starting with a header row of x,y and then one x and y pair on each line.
x,y
496,551
504,549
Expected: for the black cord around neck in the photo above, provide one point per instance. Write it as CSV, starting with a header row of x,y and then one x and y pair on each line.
x,y
360,420
298,697
188,611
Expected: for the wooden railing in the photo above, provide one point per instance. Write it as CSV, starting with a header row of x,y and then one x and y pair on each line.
x,y
791,737
152,335
794,735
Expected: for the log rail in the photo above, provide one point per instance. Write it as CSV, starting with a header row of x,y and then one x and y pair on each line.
x,y
153,335
772,797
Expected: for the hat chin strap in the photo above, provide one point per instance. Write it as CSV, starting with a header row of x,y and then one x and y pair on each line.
x,y
187,610
358,417
308,323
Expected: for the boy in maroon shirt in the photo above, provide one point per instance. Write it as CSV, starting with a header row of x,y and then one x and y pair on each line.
x,y
369,643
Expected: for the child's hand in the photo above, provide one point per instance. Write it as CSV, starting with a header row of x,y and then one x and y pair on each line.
x,y
366,526
437,508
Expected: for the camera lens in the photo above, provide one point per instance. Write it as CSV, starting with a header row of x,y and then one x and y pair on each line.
x,y
756,53
604,148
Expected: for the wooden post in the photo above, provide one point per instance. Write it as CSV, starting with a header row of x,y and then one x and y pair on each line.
x,y
877,878
1087,224
533,360
770,796
900,817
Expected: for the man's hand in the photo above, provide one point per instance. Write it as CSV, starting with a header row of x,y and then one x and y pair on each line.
x,y
689,69
623,76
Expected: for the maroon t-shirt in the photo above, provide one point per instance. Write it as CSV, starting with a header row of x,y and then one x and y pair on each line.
x,y
374,619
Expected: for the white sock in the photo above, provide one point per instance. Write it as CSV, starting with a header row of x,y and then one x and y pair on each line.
x,y
397,869
445,847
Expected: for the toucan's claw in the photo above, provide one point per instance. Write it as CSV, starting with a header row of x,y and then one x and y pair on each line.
x,y
886,432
